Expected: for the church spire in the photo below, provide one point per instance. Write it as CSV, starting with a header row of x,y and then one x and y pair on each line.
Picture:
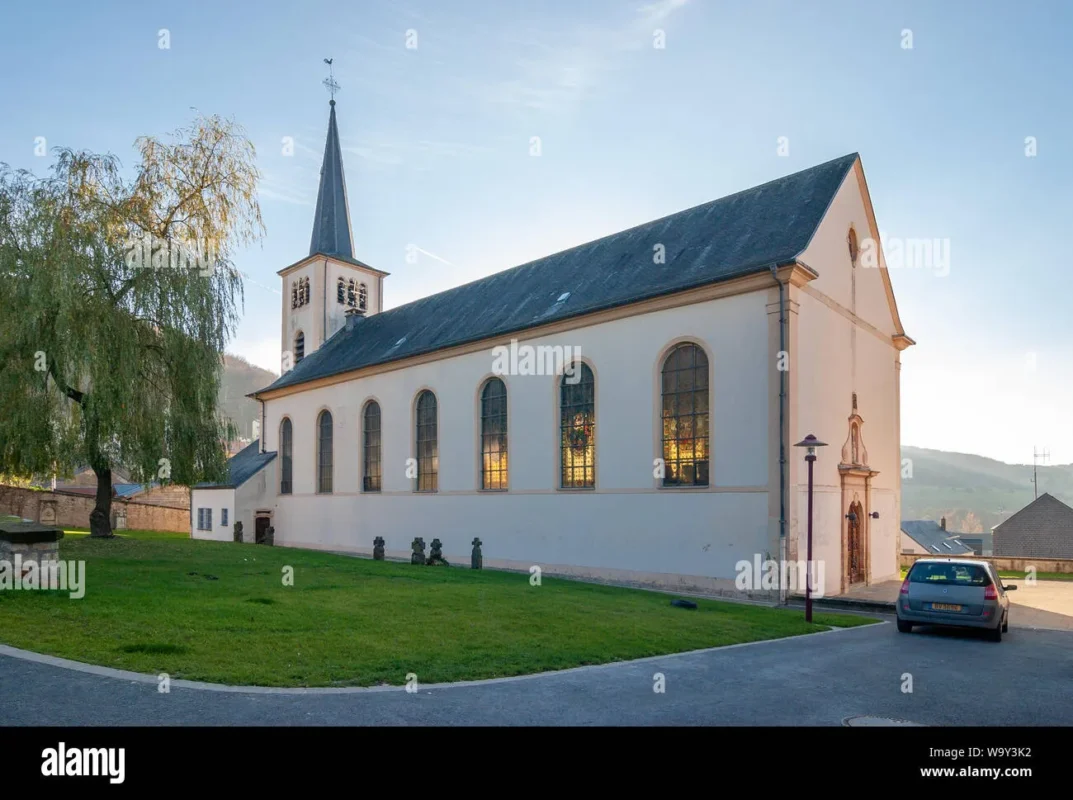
x,y
331,224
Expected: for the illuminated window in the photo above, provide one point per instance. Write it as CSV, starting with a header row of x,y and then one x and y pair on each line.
x,y
494,435
577,428
685,417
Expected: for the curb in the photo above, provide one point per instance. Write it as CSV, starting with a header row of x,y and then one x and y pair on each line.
x,y
840,604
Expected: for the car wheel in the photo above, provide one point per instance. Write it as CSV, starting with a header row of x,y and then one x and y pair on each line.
x,y
996,634
904,627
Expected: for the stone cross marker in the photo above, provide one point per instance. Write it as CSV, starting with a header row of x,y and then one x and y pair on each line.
x,y
476,560
418,548
238,531
378,548
435,558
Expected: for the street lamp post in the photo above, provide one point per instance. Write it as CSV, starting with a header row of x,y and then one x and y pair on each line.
x,y
811,442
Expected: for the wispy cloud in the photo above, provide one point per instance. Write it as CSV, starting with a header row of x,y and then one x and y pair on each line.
x,y
432,255
557,77
381,150
283,192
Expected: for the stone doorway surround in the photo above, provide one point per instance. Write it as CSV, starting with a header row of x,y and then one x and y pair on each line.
x,y
856,479
261,523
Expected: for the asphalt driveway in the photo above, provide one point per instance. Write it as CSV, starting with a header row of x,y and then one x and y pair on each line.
x,y
821,679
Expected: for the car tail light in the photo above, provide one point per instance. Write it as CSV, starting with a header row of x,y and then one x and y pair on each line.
x,y
905,585
990,593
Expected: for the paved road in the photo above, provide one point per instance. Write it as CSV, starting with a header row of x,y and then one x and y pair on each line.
x,y
810,680
1042,604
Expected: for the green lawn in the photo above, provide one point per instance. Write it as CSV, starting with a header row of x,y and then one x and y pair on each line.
x,y
219,612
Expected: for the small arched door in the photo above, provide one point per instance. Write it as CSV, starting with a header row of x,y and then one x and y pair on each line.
x,y
857,572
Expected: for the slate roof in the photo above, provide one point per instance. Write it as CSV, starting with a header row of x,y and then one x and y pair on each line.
x,y
930,535
242,466
331,222
1042,529
737,235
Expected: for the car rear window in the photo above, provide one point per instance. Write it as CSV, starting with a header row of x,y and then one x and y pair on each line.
x,y
949,574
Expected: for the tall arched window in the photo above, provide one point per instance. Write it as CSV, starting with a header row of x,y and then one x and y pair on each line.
x,y
363,297
286,449
371,447
577,428
494,435
299,347
340,291
303,292
685,416
294,294
428,457
324,453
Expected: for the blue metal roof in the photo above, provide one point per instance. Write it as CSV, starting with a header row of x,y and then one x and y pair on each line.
x,y
242,466
738,235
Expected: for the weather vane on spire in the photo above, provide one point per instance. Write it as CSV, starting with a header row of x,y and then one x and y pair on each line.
x,y
329,82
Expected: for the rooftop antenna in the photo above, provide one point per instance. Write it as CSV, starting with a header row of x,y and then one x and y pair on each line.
x,y
329,82
1036,458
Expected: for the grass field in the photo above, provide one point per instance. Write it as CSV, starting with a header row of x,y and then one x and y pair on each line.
x,y
220,612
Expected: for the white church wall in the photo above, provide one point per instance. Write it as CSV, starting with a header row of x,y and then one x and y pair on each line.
x,y
828,254
626,523
832,364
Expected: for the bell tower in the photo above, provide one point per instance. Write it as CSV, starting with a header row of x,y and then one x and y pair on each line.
x,y
323,287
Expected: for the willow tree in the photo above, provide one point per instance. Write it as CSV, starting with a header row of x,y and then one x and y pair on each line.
x,y
117,297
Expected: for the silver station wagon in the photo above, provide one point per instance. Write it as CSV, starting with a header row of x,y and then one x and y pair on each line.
x,y
954,592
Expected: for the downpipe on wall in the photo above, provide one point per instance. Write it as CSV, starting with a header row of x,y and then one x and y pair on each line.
x,y
783,590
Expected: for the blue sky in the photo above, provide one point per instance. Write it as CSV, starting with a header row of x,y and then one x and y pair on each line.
x,y
437,146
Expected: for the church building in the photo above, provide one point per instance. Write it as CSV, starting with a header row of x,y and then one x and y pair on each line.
x,y
625,410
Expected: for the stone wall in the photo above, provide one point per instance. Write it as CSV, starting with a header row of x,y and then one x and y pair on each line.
x,y
71,510
1004,564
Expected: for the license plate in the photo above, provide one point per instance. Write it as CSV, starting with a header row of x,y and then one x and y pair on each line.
x,y
944,607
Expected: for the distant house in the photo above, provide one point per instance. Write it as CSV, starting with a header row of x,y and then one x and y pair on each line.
x,y
1042,529
213,505
981,543
926,537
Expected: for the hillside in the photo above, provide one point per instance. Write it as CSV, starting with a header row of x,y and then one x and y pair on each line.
x,y
956,485
240,377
